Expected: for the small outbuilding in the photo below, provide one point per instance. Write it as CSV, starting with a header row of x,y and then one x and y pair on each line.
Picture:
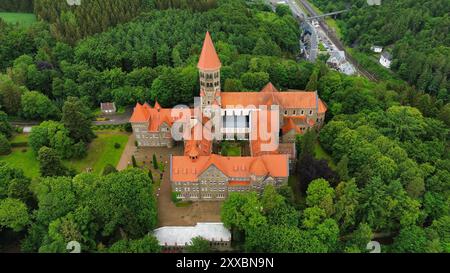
x,y
376,49
108,108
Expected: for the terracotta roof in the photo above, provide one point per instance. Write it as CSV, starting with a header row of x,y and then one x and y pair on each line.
x,y
140,113
264,137
269,88
258,167
186,170
194,147
322,107
209,60
290,125
155,117
291,99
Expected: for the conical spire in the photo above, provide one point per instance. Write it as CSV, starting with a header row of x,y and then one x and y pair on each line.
x,y
209,60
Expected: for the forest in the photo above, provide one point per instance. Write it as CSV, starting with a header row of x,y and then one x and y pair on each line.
x,y
391,181
16,5
389,141
415,31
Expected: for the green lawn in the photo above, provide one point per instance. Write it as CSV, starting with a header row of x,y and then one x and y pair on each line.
x,y
320,153
231,149
23,160
24,19
20,138
101,153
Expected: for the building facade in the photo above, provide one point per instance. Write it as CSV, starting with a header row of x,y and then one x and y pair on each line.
x,y
213,177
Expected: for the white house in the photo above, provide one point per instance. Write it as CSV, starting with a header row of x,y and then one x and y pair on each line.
x,y
376,49
386,59
177,237
338,61
108,108
374,2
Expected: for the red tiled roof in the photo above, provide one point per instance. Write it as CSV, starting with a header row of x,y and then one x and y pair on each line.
x,y
289,126
258,167
209,60
186,170
291,99
322,107
269,88
155,117
140,113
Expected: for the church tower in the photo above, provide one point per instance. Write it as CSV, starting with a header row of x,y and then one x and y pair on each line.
x,y
209,67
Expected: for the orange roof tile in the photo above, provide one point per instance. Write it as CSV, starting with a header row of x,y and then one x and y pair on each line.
x,y
186,170
322,107
209,60
155,117
291,99
258,168
290,125
140,114
269,88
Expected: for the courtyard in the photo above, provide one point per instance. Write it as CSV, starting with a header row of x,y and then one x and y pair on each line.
x,y
169,213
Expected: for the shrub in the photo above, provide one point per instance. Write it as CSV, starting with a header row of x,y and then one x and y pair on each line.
x,y
128,127
175,198
133,160
5,146
117,145
109,169
19,144
79,150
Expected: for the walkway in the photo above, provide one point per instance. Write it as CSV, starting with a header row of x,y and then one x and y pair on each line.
x,y
127,153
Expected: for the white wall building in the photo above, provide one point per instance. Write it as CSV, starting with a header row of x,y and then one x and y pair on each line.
x,y
376,49
386,59
181,236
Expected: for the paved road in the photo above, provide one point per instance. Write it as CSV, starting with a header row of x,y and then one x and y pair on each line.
x,y
332,37
115,119
128,152
313,50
